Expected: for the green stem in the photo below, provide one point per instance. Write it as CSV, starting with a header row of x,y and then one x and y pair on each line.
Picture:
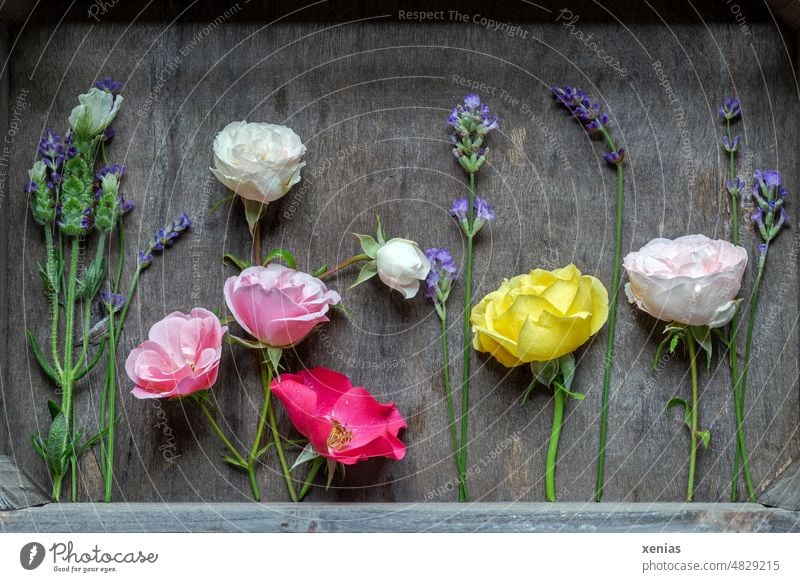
x,y
69,371
315,466
220,434
559,401
266,380
344,264
612,324
110,411
463,494
54,307
449,394
692,416
742,385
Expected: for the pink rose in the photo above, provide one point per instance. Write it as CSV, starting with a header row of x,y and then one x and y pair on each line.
x,y
180,357
342,422
278,305
691,280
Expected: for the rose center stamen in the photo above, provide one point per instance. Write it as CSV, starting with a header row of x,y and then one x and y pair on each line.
x,y
340,436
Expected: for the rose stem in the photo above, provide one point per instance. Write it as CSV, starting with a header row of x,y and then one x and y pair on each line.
x,y
692,415
612,324
219,432
309,479
257,243
266,380
442,311
262,419
743,380
463,493
738,402
559,399
344,264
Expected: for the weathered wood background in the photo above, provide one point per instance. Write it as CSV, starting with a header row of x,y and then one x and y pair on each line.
x,y
369,93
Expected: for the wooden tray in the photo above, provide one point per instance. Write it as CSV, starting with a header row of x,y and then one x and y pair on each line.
x,y
368,87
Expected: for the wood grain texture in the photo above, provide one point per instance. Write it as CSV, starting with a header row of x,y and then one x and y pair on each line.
x,y
370,99
785,491
401,517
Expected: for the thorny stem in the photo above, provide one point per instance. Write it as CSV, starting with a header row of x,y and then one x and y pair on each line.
x,y
344,264
693,429
559,400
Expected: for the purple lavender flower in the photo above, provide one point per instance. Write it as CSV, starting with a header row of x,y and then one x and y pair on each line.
x,y
164,238
443,272
730,146
109,85
758,217
735,186
113,301
118,169
730,109
577,102
483,213
767,181
615,158
51,149
108,134
471,122
31,187
125,206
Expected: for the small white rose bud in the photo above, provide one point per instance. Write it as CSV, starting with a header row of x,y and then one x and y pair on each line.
x,y
402,265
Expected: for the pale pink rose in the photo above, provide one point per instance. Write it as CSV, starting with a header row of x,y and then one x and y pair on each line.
x,y
278,305
181,356
691,280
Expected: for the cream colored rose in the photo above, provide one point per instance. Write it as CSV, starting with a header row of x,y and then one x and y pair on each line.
x,y
258,161
692,280
402,266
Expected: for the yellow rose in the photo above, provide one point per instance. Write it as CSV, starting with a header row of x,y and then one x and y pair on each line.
x,y
540,316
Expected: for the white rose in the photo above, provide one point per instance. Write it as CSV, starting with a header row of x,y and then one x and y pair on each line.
x,y
402,265
258,161
96,111
691,280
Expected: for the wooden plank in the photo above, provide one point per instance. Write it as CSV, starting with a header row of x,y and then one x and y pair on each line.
x,y
785,491
370,101
17,491
400,517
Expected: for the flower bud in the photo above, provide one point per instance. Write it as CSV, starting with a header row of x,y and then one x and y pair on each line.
x,y
402,266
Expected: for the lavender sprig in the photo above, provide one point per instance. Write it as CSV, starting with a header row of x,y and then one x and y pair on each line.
x,y
471,122
442,274
482,210
164,238
589,114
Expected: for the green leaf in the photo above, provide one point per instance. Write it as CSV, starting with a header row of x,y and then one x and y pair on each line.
x,y
91,441
218,203
37,354
380,234
545,372
252,344
274,357
234,462
567,367
705,437
368,271
94,361
678,401
286,256
702,335
368,244
242,264
55,447
38,445
306,455
673,343
253,211
576,395
331,468
528,391
263,450
54,409
660,349
321,270
340,307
